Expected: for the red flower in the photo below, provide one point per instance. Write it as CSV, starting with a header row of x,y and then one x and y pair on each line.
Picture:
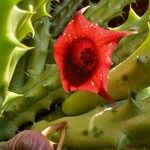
x,y
83,55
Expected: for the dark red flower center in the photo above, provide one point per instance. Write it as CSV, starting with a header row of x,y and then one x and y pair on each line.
x,y
81,59
83,55
88,59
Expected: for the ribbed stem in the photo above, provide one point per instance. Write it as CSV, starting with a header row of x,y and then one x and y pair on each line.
x,y
105,128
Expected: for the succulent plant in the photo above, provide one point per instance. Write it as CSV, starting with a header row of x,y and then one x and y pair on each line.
x,y
30,82
25,25
123,128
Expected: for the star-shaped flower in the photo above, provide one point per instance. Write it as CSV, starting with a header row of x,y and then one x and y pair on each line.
x,y
83,55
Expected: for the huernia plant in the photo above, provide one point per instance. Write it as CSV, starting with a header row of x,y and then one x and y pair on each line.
x,y
58,61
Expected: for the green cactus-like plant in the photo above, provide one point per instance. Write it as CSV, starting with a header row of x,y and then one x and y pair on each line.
x,y
132,78
78,103
102,12
29,83
134,22
62,14
37,80
10,122
32,91
126,127
16,23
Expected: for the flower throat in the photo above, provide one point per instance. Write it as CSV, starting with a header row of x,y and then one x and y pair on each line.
x,y
83,55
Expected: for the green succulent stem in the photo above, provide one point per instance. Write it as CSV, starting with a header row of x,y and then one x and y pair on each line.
x,y
105,10
127,46
125,80
6,45
18,79
37,57
79,102
11,121
16,23
62,15
32,91
104,128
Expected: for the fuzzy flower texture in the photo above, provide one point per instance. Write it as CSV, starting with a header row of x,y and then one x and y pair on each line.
x,y
83,55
